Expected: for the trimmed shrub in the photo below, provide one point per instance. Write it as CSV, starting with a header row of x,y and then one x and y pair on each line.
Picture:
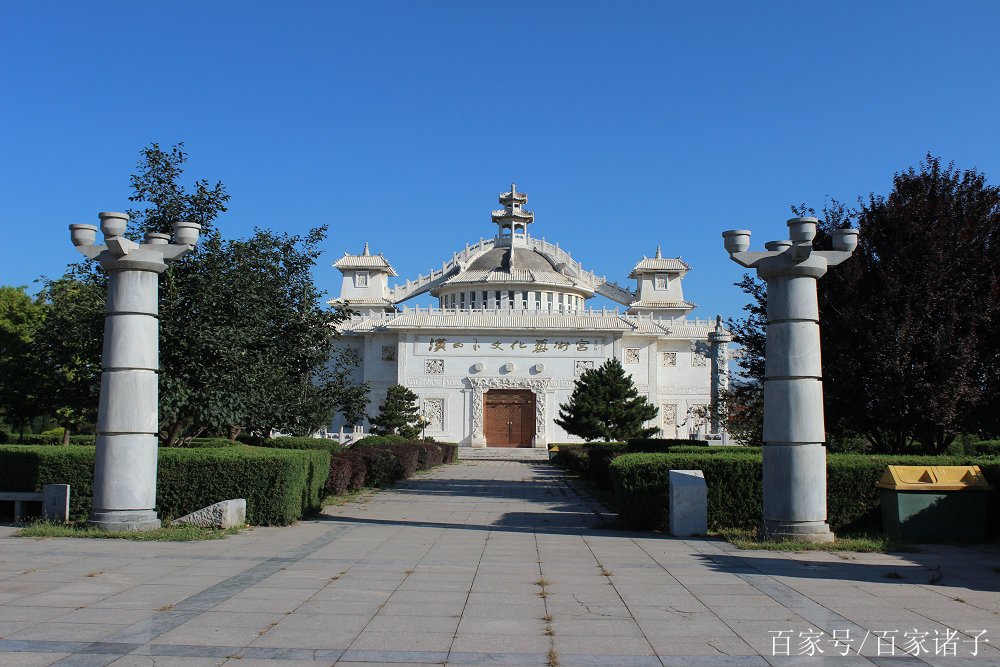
x,y
322,444
359,469
431,455
408,457
211,443
382,440
576,457
663,444
28,467
46,439
734,483
984,448
339,480
599,457
641,488
382,466
449,451
279,486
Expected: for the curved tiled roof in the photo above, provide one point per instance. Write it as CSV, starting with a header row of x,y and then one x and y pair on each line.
x,y
349,261
660,264
511,265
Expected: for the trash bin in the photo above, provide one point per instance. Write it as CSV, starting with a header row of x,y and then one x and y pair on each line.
x,y
935,503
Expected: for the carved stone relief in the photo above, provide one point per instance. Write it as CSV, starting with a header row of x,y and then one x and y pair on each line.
x,y
434,366
668,411
631,355
668,358
388,353
434,412
580,366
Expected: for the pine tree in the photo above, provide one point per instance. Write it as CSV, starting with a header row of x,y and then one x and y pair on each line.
x,y
398,414
606,405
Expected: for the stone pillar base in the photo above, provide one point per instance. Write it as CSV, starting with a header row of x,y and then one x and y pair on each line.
x,y
478,442
800,531
116,521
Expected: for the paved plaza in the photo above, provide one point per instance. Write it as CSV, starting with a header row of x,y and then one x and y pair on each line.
x,y
487,562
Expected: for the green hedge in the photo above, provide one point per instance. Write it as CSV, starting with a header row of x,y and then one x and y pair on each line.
x,y
279,486
734,483
449,451
45,439
322,444
359,469
211,443
382,440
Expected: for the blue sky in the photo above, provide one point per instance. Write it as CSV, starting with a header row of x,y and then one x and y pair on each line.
x,y
628,124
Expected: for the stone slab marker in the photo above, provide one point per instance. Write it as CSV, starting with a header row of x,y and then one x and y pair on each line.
x,y
55,502
794,429
127,414
688,503
225,514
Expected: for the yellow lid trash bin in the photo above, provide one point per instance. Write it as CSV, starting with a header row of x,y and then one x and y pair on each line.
x,y
935,503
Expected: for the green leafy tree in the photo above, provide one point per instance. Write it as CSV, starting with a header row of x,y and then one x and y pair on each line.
x,y
68,348
398,414
21,320
911,324
605,405
352,396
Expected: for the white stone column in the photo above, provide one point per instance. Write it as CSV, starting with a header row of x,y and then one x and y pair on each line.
x,y
794,430
127,417
719,345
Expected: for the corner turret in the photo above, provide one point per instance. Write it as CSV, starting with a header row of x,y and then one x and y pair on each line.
x,y
658,286
365,288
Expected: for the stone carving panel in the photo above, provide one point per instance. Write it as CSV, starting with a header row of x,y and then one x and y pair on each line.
x,y
668,411
631,355
434,412
388,353
698,359
434,366
582,365
668,358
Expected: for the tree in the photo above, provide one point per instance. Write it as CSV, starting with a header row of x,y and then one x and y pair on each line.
x,y
606,405
21,319
352,396
910,324
398,414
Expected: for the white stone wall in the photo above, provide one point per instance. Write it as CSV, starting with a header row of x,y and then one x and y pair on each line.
x,y
439,368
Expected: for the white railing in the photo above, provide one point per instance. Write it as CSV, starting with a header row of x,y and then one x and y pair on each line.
x,y
567,313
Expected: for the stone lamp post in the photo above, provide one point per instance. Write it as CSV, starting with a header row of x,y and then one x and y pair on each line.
x,y
794,431
127,417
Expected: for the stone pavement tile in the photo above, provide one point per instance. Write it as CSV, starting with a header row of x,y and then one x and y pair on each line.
x,y
505,598
350,607
772,612
435,584
168,661
719,661
597,628
102,615
505,587
498,643
721,646
24,659
429,596
57,599
323,622
8,628
147,596
293,594
423,608
195,634
379,640
526,626
413,623
495,658
603,645
677,629
292,636
530,609
71,632
238,619
258,605
392,656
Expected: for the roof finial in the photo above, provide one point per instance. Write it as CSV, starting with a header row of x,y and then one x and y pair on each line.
x,y
513,189
366,249
659,254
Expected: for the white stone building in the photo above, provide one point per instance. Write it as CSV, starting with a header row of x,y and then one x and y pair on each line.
x,y
496,358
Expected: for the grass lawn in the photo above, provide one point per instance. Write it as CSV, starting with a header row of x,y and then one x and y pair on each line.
x,y
42,529
747,539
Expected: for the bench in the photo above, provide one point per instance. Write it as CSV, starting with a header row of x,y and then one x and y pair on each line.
x,y
53,497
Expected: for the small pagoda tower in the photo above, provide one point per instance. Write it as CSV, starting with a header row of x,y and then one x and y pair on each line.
x,y
365,288
513,219
658,286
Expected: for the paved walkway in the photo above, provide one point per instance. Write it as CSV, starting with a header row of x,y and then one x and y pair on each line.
x,y
480,563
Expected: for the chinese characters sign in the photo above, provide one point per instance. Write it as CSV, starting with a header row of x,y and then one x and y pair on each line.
x,y
532,346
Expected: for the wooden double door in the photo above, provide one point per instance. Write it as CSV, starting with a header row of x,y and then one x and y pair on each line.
x,y
509,417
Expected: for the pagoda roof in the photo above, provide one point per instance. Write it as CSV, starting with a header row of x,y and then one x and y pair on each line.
x,y
666,264
349,261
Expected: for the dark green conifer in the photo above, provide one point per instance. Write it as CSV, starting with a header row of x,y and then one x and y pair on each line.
x,y
398,414
605,405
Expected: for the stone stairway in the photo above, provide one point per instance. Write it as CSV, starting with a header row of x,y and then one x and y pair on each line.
x,y
526,454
